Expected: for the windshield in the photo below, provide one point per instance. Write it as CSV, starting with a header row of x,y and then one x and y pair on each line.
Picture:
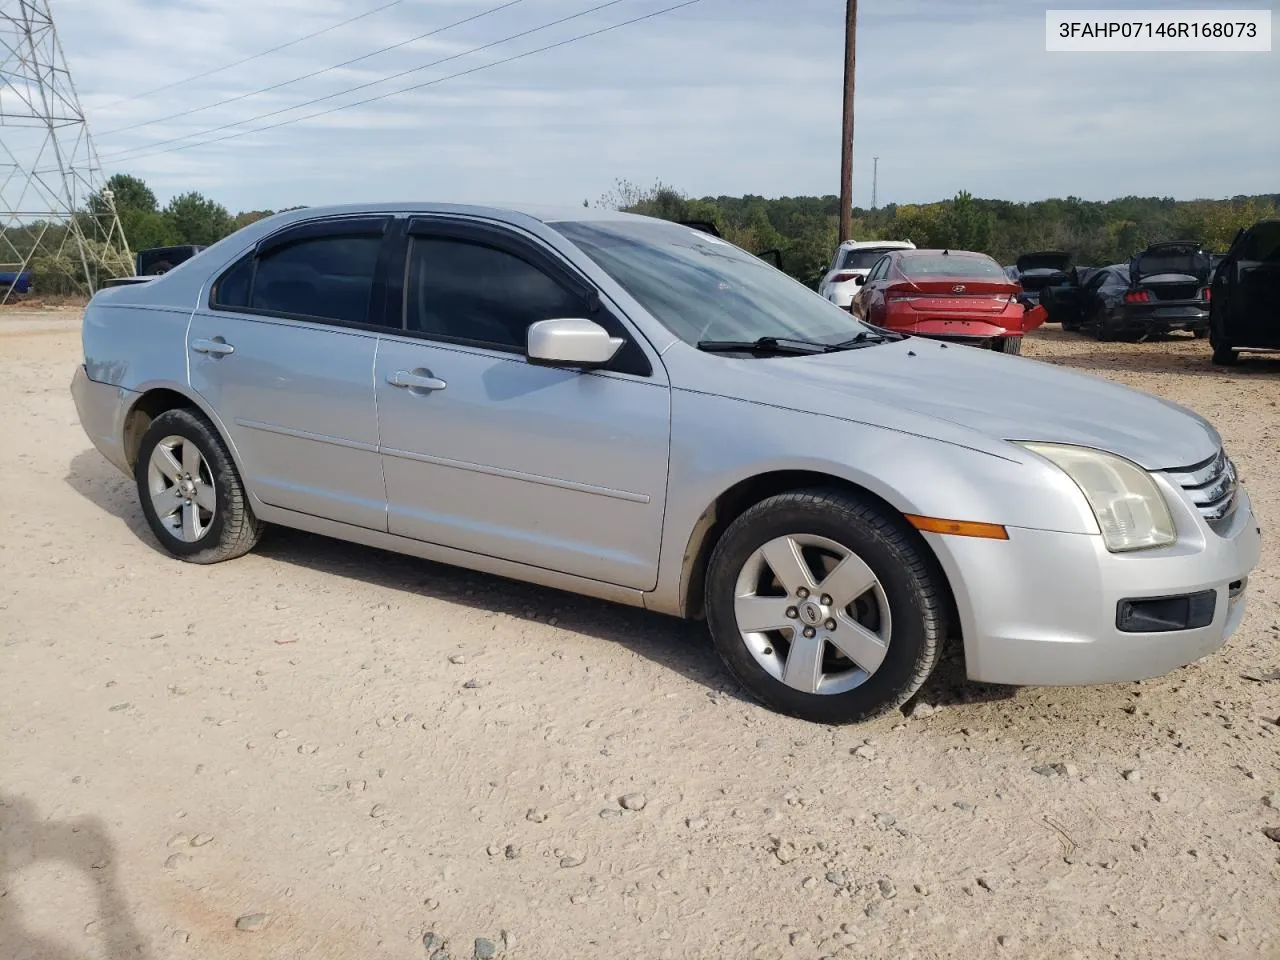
x,y
950,265
863,259
703,288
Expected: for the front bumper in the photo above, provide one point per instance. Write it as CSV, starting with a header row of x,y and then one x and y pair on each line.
x,y
1041,607
102,409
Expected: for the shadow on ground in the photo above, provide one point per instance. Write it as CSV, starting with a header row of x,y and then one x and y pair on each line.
x,y
81,844
682,646
1154,356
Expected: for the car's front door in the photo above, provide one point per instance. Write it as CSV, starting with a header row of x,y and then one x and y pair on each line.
x,y
1251,291
485,452
283,352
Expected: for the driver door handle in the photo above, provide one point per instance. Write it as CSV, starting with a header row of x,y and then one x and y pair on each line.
x,y
217,347
416,381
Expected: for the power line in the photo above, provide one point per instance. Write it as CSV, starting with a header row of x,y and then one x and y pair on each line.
x,y
253,56
428,83
308,76
363,86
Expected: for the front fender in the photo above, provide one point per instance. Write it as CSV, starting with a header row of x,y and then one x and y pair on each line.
x,y
719,442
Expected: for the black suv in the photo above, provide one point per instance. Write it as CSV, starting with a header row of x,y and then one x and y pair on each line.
x,y
1245,311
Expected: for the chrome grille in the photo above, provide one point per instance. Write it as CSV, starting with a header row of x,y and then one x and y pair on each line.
x,y
1212,487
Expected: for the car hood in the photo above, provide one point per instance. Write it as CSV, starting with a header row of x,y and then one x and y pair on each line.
x,y
1054,260
998,396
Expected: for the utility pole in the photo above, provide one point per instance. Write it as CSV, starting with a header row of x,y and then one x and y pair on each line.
x,y
875,182
846,134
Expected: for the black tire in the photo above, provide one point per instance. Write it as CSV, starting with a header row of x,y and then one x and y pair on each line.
x,y
1225,355
1071,326
1010,345
909,576
233,529
1200,332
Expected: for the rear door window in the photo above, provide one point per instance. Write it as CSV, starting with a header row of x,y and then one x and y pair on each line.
x,y
328,278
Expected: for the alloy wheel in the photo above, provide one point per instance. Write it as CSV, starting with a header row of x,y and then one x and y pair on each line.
x,y
181,487
812,614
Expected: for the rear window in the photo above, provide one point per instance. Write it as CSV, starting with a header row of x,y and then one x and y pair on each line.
x,y
861,259
950,265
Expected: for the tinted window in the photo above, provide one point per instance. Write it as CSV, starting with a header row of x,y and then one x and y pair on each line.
x,y
232,288
861,259
327,277
880,270
466,291
950,265
703,288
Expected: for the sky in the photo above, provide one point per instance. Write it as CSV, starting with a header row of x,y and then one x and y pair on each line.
x,y
720,97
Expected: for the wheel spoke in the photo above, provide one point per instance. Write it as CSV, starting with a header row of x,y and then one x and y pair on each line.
x,y
784,559
848,581
859,644
758,614
166,462
190,522
191,459
804,663
166,503
205,496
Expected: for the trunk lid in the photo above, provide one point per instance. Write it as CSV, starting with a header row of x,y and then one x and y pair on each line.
x,y
1161,262
953,294
1055,261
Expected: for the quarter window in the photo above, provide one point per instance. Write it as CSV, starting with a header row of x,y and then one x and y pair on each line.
x,y
469,292
232,289
330,278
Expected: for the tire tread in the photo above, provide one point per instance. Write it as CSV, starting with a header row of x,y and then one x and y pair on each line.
x,y
893,532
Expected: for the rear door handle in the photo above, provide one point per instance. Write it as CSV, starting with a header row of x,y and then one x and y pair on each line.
x,y
418,380
217,347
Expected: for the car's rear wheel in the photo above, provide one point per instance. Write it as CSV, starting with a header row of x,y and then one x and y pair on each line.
x,y
190,491
825,606
1011,345
1200,332
1224,354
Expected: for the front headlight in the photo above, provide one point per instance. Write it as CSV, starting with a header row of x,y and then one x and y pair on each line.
x,y
1132,513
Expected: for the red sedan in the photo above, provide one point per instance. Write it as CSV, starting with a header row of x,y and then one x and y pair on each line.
x,y
946,295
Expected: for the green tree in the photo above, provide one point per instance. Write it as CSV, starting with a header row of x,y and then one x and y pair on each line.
x,y
197,219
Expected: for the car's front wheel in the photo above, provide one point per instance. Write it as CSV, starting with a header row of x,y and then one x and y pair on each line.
x,y
190,491
825,606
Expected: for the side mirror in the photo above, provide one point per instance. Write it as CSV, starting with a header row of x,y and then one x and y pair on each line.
x,y
570,343
859,280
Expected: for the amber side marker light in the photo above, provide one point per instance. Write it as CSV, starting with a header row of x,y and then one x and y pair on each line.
x,y
959,528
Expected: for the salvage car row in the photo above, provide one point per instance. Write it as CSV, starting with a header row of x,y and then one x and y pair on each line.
x,y
1232,299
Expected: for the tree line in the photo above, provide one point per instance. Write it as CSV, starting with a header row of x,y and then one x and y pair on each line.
x,y
1097,233
804,229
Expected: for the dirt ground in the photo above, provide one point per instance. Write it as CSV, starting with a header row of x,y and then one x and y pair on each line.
x,y
346,750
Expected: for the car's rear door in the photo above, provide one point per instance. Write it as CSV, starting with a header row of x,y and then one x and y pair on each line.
x,y
283,351
487,453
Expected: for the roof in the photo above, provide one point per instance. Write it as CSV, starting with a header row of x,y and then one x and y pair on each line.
x,y
889,244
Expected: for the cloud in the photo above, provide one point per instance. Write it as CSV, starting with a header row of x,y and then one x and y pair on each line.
x,y
725,97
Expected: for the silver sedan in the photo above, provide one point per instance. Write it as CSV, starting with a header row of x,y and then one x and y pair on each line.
x,y
636,410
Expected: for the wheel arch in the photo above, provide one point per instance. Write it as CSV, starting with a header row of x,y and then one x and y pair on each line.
x,y
161,398
746,493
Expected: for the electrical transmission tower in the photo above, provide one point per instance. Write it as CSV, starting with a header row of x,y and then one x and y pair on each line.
x,y
59,228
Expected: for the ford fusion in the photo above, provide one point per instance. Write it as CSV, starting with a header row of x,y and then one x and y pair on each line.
x,y
639,411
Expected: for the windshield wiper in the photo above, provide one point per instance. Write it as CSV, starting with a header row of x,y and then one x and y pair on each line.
x,y
866,338
764,345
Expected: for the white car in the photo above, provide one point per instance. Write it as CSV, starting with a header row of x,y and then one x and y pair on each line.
x,y
854,258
